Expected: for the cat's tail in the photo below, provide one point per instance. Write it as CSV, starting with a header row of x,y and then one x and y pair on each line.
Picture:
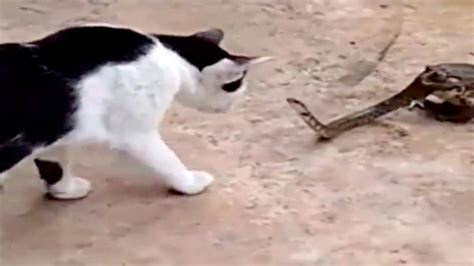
x,y
321,129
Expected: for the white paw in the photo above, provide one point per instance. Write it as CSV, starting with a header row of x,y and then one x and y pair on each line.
x,y
196,184
70,188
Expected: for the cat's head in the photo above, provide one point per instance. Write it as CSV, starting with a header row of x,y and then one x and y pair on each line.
x,y
217,77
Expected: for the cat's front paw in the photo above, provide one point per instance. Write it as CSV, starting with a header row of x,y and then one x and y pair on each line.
x,y
197,183
70,188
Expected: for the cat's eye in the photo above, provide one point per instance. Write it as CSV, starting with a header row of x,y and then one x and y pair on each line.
x,y
234,85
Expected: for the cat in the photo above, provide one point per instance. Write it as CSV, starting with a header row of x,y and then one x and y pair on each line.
x,y
110,84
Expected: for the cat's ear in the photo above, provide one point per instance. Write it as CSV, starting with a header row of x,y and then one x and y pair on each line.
x,y
250,60
213,35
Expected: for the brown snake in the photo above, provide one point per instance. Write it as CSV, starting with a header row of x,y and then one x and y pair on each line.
x,y
452,82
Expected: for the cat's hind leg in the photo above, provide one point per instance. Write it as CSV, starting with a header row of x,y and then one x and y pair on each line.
x,y
56,174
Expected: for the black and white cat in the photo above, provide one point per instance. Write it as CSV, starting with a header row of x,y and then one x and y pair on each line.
x,y
109,84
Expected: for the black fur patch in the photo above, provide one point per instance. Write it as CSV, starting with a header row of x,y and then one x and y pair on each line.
x,y
51,172
197,51
11,155
234,85
75,51
37,94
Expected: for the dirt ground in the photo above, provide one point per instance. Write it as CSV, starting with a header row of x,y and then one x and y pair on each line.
x,y
370,197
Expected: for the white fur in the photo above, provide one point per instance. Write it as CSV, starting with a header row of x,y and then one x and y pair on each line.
x,y
123,105
207,95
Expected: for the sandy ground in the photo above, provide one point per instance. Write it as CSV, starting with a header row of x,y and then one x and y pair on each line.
x,y
370,197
